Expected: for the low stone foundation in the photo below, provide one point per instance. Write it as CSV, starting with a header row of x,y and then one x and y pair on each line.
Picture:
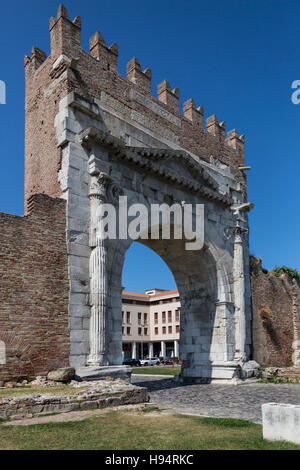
x,y
101,395
288,374
101,372
231,373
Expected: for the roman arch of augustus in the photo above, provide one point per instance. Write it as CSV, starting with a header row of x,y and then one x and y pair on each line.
x,y
91,136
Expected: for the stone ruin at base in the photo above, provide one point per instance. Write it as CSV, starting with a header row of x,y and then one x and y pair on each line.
x,y
91,135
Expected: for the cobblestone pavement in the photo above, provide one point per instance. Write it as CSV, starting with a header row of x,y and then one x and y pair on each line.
x,y
219,401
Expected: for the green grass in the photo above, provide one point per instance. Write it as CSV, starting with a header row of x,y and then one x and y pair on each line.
x,y
119,430
151,409
228,422
278,380
27,390
175,370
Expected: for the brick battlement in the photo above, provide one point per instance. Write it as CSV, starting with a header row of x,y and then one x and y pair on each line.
x,y
70,68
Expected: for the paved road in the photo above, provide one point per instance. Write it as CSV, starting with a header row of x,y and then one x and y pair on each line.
x,y
219,401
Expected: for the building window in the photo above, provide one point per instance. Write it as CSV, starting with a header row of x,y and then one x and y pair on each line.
x,y
170,329
169,317
140,331
164,330
128,317
177,329
164,317
122,317
139,318
177,315
145,318
123,329
145,331
156,330
128,330
156,318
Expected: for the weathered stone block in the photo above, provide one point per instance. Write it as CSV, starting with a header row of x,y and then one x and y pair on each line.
x,y
281,422
65,374
88,405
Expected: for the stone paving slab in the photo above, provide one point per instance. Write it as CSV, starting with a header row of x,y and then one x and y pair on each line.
x,y
219,401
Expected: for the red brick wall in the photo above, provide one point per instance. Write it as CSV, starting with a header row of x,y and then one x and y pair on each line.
x,y
34,290
42,157
272,309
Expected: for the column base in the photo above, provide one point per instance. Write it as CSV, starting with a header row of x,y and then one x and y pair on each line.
x,y
228,372
101,372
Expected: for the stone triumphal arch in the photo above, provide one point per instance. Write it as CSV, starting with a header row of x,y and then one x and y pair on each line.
x,y
212,281
111,138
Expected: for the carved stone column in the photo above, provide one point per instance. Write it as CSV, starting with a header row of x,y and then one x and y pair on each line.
x,y
133,354
239,295
98,301
176,349
296,322
150,349
98,274
103,190
163,349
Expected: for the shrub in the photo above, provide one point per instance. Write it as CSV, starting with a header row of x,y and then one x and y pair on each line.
x,y
293,273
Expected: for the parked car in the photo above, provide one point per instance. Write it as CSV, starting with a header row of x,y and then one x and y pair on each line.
x,y
150,361
132,362
167,362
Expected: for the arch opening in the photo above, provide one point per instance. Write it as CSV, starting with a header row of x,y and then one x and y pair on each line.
x,y
150,308
204,307
205,281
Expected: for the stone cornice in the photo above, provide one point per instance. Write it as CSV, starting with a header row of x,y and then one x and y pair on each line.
x,y
151,159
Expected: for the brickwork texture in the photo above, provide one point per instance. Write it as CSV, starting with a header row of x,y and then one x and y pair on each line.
x,y
275,317
34,290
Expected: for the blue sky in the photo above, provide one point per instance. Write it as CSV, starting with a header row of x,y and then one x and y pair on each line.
x,y
237,58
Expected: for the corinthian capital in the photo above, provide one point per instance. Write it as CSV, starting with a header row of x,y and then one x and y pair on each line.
x,y
104,188
237,232
99,186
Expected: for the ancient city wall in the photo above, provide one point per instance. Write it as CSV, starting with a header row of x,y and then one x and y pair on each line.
x,y
276,315
34,290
